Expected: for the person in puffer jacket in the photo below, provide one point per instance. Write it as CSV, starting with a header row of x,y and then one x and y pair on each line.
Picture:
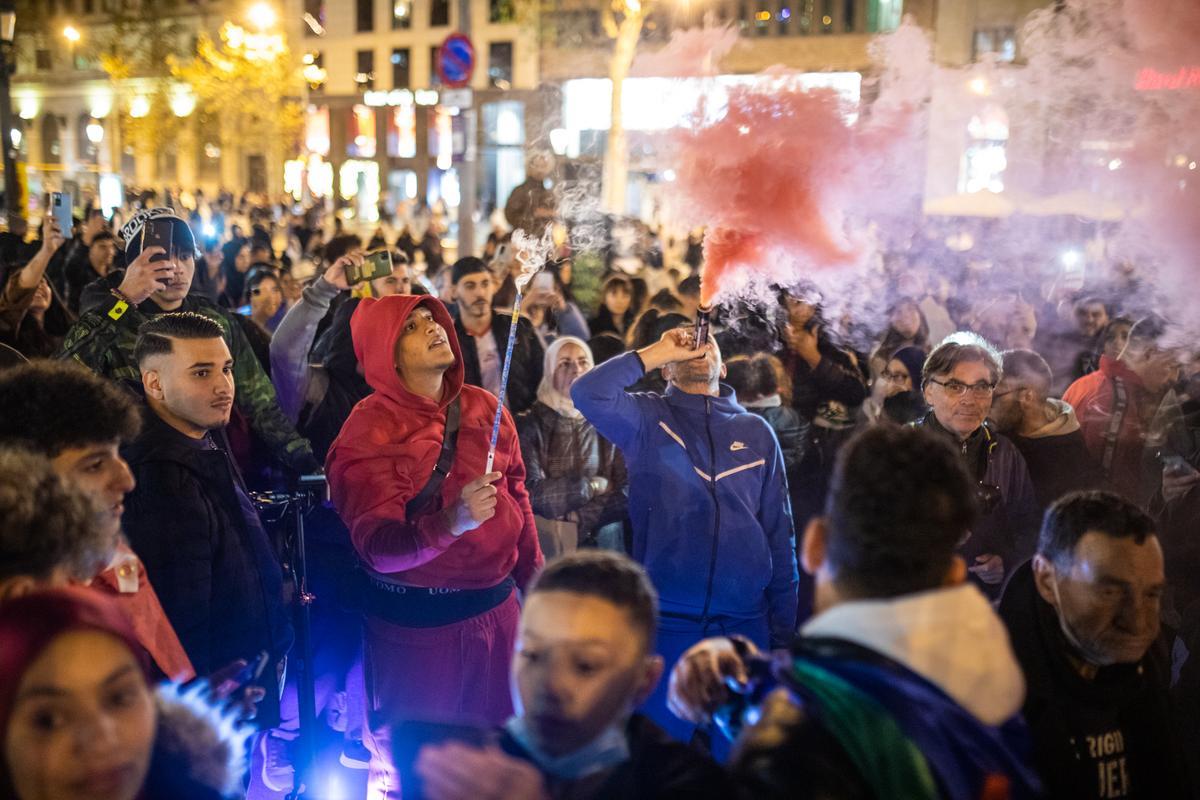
x,y
442,570
708,500
80,718
576,478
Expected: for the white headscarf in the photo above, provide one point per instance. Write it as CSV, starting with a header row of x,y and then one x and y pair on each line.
x,y
546,392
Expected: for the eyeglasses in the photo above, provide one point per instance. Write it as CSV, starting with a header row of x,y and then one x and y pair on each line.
x,y
956,389
1005,394
895,377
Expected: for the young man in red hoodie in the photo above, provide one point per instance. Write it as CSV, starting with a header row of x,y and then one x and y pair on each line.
x,y
443,566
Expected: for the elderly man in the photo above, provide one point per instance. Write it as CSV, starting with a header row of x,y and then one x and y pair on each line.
x,y
958,381
1083,618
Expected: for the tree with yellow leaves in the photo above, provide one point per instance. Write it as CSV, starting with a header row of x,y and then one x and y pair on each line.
x,y
250,83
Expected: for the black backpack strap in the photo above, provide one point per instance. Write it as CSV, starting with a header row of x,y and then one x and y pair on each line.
x,y
1120,404
419,504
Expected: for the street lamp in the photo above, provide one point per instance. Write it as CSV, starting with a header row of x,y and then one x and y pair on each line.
x,y
71,33
8,26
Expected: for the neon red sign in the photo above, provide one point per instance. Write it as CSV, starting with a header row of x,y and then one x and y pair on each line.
x,y
1151,80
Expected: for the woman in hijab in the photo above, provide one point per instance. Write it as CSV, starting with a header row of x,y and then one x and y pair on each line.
x,y
575,478
80,720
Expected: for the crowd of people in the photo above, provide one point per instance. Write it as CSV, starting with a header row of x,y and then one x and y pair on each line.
x,y
935,541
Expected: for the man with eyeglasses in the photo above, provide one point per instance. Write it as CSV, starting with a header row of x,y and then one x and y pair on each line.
x,y
958,381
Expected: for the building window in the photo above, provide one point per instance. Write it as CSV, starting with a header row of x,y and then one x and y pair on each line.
x,y
42,57
364,16
400,72
401,15
360,141
365,77
1001,42
314,17
884,15
985,158
502,11
439,13
314,70
434,78
52,126
500,64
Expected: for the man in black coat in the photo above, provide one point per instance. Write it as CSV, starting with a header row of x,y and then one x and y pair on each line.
x,y
483,336
1045,431
190,518
1083,618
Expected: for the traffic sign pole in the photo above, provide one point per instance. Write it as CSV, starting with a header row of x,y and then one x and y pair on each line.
x,y
466,172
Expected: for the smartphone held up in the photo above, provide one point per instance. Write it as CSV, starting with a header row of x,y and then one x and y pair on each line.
x,y
376,264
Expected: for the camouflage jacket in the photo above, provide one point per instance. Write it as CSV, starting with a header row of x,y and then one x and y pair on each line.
x,y
103,340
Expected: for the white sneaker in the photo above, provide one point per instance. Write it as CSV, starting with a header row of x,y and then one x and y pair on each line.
x,y
273,760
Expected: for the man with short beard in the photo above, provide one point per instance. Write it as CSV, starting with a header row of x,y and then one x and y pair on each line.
x,y
708,499
483,336
1045,430
190,518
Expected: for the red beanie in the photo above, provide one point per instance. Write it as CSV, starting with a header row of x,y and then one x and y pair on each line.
x,y
29,624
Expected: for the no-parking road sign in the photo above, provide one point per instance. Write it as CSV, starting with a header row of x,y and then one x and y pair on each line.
x,y
456,60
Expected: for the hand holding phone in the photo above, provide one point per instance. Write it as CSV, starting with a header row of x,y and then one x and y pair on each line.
x,y
60,207
374,265
158,233
146,275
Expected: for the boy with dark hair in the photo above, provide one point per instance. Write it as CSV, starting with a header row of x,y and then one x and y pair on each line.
x,y
1083,617
48,534
903,684
190,517
79,421
584,660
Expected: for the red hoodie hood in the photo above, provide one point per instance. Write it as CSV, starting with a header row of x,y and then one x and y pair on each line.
x,y
376,326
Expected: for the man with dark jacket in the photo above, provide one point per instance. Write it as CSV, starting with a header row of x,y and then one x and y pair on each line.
x,y
483,335
575,733
190,518
903,685
116,306
958,381
1083,617
1043,429
708,499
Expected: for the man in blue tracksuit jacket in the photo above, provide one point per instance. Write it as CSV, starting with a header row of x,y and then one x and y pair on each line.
x,y
707,496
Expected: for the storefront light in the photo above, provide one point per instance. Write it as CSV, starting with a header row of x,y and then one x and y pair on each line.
x,y
95,132
426,97
27,107
139,107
